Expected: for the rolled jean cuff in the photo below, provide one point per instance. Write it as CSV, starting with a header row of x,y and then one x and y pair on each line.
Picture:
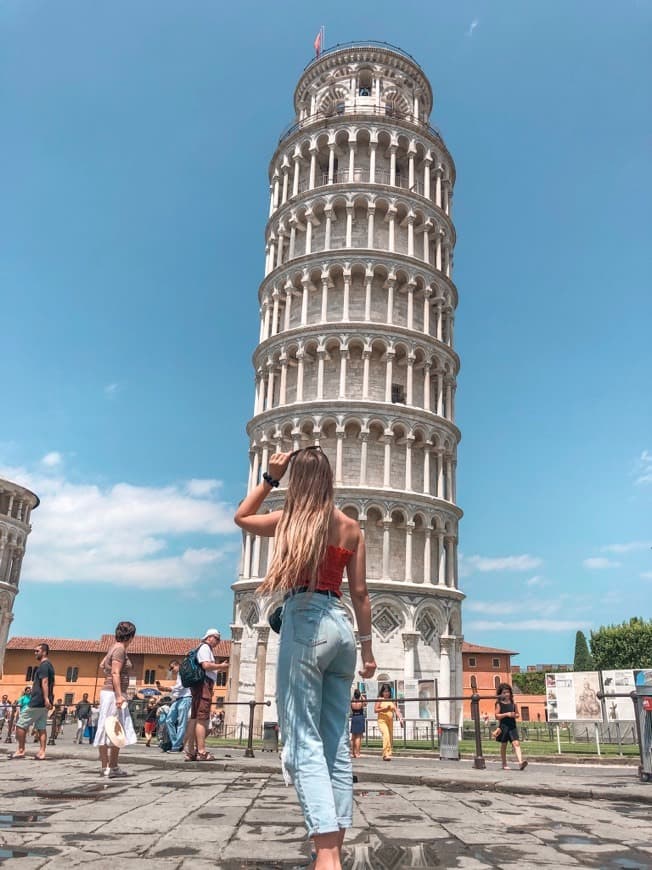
x,y
342,824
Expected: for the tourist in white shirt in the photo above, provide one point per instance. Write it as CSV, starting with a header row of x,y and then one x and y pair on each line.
x,y
177,718
202,698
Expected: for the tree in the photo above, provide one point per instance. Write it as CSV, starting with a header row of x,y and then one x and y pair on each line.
x,y
628,645
583,660
532,683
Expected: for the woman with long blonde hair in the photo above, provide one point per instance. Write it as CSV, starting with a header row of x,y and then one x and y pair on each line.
x,y
314,543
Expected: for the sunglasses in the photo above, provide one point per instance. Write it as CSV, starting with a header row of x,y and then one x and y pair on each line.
x,y
304,449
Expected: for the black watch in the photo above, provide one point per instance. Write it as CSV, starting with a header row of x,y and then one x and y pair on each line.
x,y
267,477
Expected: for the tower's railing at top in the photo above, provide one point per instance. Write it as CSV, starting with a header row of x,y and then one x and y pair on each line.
x,y
357,109
364,43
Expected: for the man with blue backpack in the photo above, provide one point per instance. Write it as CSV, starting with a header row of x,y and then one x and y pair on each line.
x,y
198,672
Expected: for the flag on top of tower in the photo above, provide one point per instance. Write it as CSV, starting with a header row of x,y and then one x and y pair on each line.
x,y
319,41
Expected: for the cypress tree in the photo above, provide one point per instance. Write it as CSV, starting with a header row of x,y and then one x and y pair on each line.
x,y
583,660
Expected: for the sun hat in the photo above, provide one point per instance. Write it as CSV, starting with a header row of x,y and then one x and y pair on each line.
x,y
115,732
211,632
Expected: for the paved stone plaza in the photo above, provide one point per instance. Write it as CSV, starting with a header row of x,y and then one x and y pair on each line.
x,y
237,813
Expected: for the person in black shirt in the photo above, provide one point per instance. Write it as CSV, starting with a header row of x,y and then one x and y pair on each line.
x,y
82,714
41,701
507,714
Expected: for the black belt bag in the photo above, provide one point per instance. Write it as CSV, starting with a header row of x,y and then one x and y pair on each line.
x,y
275,619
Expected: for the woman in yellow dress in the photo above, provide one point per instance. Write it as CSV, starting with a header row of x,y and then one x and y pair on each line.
x,y
386,710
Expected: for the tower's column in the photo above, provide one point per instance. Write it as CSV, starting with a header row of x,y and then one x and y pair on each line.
x,y
387,524
261,668
427,556
339,450
231,713
344,355
459,679
5,623
409,529
446,647
364,438
410,641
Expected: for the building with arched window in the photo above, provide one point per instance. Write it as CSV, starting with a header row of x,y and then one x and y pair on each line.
x,y
356,354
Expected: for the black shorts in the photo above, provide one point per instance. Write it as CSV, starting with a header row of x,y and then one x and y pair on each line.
x,y
509,735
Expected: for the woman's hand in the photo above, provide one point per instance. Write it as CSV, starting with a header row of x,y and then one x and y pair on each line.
x,y
278,464
368,667
119,701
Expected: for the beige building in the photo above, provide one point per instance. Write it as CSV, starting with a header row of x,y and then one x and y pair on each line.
x,y
16,506
356,354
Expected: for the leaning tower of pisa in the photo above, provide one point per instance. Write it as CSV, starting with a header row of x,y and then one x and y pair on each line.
x,y
356,354
16,506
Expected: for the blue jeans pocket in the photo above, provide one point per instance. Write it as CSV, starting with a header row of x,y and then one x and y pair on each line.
x,y
308,626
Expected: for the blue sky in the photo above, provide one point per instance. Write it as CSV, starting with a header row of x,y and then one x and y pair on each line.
x,y
133,158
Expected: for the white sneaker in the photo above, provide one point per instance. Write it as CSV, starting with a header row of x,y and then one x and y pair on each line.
x,y
117,773
104,771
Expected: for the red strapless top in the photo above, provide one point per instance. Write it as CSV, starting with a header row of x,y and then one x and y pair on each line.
x,y
332,569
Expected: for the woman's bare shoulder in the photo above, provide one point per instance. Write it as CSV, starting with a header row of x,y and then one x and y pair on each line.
x,y
347,530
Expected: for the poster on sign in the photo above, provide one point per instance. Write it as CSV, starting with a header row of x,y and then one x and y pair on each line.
x,y
412,706
426,699
573,696
370,689
587,686
618,683
643,677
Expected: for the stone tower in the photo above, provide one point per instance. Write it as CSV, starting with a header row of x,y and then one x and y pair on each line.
x,y
356,354
16,506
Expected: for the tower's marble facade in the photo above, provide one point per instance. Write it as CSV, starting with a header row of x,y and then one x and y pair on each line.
x,y
356,354
16,506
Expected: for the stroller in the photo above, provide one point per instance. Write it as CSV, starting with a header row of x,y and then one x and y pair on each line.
x,y
162,734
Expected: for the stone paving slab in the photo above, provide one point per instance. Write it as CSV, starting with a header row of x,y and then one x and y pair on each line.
x,y
200,816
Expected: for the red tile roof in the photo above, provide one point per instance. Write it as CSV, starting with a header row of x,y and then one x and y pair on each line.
x,y
57,644
474,648
164,646
142,644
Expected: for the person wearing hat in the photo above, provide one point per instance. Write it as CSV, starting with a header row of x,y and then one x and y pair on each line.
x,y
202,698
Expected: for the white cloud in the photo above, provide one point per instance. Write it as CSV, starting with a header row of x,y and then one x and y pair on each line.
x,y
630,547
525,605
198,487
470,564
644,468
502,608
110,390
547,625
51,460
149,537
472,26
646,575
598,563
537,580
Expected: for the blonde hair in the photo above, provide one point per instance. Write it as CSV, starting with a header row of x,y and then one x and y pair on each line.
x,y
301,535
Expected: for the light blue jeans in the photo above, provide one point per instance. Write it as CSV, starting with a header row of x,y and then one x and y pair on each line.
x,y
177,721
316,665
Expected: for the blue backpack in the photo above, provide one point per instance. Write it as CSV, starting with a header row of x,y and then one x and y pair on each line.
x,y
190,671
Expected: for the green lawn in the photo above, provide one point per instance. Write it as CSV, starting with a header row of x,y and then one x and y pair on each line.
x,y
467,747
